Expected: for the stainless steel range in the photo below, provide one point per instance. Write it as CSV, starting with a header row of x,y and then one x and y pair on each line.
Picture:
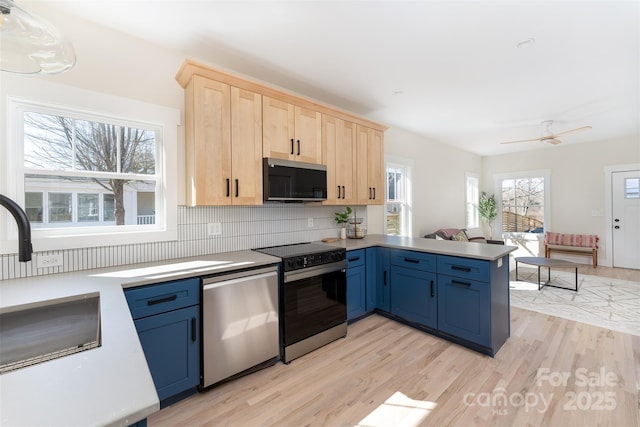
x,y
313,296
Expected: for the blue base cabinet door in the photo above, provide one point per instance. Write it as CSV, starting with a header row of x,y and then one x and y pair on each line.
x,y
167,319
464,309
413,295
378,289
171,346
356,284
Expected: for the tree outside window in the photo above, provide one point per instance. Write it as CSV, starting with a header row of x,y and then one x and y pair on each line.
x,y
77,155
523,204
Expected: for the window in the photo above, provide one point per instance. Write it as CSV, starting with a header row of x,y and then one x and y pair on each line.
x,y
84,157
632,188
97,176
398,200
524,202
472,198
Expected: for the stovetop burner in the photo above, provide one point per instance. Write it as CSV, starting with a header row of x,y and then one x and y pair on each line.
x,y
285,251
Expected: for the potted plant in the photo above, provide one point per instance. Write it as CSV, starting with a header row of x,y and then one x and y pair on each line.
x,y
341,219
488,210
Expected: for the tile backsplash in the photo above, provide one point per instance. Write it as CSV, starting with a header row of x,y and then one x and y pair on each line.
x,y
243,227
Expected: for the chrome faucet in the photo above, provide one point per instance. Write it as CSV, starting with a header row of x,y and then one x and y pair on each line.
x,y
24,228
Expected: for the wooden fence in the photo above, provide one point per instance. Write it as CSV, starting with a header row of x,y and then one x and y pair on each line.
x,y
516,222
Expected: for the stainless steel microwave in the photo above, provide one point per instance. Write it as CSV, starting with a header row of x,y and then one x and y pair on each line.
x,y
289,181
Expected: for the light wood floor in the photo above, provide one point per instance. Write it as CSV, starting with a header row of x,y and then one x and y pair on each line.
x,y
387,374
614,273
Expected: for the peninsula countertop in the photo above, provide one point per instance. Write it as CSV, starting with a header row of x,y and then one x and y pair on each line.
x,y
483,251
111,384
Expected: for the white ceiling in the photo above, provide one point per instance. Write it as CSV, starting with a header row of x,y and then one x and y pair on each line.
x,y
462,78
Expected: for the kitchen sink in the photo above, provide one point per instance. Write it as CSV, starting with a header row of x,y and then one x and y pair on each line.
x,y
46,330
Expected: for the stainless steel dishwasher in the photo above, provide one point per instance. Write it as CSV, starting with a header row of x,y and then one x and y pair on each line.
x,y
239,323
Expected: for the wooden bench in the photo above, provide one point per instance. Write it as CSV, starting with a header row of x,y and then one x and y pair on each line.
x,y
581,244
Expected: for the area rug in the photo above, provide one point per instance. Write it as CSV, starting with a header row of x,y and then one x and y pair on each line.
x,y
600,301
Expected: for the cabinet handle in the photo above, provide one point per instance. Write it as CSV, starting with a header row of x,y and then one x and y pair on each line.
x,y
355,258
456,282
343,192
237,187
461,268
338,191
298,147
194,332
374,193
369,193
384,278
412,260
161,300
292,146
433,291
228,188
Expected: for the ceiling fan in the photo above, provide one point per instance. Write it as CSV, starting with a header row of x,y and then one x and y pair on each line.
x,y
549,137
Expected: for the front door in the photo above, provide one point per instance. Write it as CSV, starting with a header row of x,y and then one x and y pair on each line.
x,y
626,219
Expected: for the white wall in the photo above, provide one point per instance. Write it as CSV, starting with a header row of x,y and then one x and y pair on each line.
x,y
116,64
438,179
577,182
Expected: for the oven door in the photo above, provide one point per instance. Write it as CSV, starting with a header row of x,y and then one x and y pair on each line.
x,y
314,300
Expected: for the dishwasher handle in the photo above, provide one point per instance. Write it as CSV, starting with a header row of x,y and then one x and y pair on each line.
x,y
228,279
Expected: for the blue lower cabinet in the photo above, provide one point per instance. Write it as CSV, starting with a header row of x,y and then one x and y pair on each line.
x,y
464,309
171,344
167,319
356,284
378,288
413,296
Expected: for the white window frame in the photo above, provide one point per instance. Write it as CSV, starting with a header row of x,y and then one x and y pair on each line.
x,y
473,223
93,105
498,178
406,220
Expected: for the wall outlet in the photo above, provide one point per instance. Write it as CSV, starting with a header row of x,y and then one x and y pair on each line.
x,y
309,222
214,229
46,261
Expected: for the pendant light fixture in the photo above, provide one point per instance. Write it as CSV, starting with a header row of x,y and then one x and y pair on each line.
x,y
30,45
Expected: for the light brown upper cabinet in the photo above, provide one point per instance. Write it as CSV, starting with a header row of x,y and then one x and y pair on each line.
x,y
223,144
233,122
339,155
291,132
370,166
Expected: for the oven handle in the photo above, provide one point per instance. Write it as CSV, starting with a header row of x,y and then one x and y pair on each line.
x,y
319,270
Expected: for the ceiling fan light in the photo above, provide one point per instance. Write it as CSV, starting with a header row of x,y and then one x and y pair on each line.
x,y
30,44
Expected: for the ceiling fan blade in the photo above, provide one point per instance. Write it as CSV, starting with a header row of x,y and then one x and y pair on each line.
x,y
572,131
552,141
522,140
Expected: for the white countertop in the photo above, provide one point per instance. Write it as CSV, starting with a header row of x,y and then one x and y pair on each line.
x,y
109,385
475,250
